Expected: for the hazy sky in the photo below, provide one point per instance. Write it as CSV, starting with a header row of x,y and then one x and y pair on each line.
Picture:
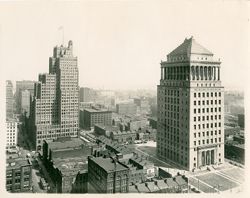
x,y
120,44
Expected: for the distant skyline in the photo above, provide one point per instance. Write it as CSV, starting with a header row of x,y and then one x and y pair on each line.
x,y
120,44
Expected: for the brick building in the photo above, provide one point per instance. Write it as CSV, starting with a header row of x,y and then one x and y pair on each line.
x,y
107,175
18,174
66,162
90,117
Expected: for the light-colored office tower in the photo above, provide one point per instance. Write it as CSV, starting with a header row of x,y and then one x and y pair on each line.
x,y
56,99
9,100
190,108
25,102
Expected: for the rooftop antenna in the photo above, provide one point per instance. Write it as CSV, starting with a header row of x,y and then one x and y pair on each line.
x,y
62,28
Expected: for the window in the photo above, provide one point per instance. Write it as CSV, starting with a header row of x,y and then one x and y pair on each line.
x,y
203,95
194,110
194,102
199,95
207,141
195,119
212,94
195,135
195,143
195,95
207,94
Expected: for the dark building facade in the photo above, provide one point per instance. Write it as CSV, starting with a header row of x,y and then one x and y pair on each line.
x,y
190,128
107,175
55,108
18,175
92,116
66,163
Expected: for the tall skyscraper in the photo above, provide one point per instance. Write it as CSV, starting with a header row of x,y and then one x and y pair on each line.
x,y
25,102
22,86
55,108
190,108
9,100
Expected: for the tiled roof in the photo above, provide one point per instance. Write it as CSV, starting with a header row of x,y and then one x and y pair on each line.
x,y
190,46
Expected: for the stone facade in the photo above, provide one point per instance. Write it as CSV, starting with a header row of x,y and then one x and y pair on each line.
x,y
190,128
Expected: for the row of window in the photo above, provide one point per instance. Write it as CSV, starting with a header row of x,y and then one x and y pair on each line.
x,y
212,94
207,133
207,125
211,141
207,103
203,118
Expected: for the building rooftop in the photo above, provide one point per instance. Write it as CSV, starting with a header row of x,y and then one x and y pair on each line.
x,y
190,46
14,163
85,151
157,185
97,110
109,165
107,128
65,143
71,166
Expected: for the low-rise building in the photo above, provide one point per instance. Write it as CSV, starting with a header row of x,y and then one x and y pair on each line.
x,y
123,136
114,148
18,174
178,184
107,175
66,163
101,129
126,108
90,117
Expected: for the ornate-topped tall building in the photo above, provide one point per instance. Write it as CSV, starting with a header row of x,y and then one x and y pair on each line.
x,y
55,108
190,108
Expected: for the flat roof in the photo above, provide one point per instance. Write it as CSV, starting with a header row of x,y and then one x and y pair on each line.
x,y
14,163
71,166
71,153
64,143
101,110
108,165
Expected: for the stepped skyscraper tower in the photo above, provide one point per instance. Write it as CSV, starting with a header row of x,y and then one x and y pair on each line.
x,y
190,131
55,108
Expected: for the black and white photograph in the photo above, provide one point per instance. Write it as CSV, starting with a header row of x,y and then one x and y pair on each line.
x,y
124,96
